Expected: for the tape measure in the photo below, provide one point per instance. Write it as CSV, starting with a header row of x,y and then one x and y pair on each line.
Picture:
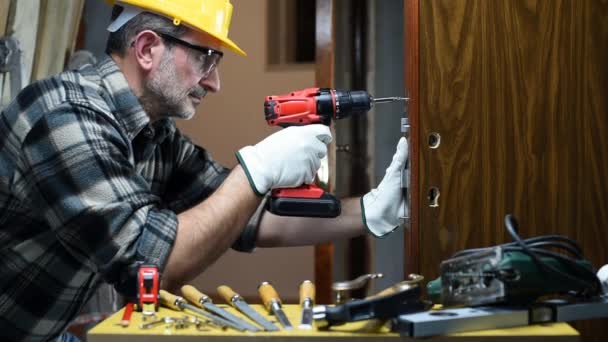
x,y
148,283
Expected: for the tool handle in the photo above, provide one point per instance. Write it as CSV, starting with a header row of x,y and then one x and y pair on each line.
x,y
227,294
307,290
170,300
268,295
193,295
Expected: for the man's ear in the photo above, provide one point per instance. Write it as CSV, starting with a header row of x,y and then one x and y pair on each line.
x,y
147,49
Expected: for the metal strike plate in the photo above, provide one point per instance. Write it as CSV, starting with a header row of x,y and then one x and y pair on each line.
x,y
405,125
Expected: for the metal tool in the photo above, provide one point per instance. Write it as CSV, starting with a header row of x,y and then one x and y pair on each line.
x,y
186,321
272,302
313,106
447,321
175,322
406,173
178,303
516,273
203,301
389,99
240,304
307,300
512,277
342,288
163,320
389,303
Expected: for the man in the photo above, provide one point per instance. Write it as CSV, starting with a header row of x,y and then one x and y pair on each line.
x,y
95,177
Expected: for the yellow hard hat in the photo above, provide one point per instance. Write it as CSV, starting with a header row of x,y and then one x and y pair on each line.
x,y
210,16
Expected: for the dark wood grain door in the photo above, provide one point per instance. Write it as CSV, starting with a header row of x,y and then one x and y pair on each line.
x,y
517,93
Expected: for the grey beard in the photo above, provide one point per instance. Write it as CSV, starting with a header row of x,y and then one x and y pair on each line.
x,y
153,105
159,99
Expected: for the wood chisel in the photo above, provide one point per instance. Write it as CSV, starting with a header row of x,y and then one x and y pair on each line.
x,y
307,299
203,301
240,304
271,300
178,303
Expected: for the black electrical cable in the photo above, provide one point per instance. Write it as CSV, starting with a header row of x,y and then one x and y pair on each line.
x,y
559,245
569,245
590,283
535,247
560,238
511,225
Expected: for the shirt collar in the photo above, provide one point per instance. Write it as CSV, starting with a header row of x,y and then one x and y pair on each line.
x,y
127,108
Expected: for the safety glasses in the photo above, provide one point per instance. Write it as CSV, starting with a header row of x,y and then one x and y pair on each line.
x,y
207,57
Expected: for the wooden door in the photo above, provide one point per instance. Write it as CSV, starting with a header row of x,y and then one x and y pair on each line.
x,y
517,92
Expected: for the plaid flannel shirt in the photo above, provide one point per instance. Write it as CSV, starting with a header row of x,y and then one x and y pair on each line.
x,y
88,186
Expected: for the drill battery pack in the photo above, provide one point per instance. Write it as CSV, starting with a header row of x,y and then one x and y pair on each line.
x,y
305,201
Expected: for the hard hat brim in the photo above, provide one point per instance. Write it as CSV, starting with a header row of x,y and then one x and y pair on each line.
x,y
134,7
226,42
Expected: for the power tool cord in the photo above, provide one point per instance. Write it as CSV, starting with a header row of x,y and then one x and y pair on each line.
x,y
535,248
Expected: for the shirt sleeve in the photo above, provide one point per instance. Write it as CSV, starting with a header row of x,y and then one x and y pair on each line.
x,y
195,178
77,170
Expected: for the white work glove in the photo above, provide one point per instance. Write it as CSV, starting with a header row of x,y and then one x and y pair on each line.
x,y
382,207
602,275
285,159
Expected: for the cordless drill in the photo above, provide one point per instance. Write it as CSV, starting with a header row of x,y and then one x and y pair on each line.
x,y
305,107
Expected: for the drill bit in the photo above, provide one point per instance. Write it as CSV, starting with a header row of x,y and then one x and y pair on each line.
x,y
389,99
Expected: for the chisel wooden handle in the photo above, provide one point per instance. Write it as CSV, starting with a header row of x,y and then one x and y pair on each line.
x,y
307,290
227,293
194,296
268,295
169,300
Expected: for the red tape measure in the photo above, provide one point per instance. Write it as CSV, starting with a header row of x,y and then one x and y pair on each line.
x,y
148,284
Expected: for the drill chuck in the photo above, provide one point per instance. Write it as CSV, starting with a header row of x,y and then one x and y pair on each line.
x,y
346,102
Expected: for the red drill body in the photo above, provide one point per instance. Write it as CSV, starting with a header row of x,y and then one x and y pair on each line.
x,y
315,105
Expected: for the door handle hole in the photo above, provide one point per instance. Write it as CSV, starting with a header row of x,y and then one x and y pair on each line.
x,y
433,197
434,140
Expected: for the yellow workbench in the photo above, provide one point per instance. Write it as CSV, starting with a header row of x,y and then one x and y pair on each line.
x,y
110,331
